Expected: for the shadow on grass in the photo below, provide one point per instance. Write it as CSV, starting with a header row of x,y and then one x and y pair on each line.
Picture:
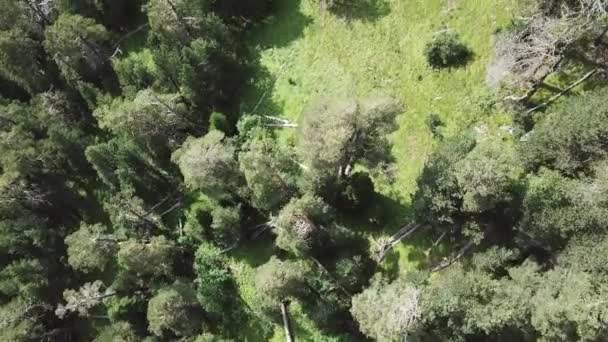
x,y
277,31
255,252
286,25
363,10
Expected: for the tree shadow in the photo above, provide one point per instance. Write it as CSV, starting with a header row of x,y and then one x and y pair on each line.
x,y
255,252
257,99
390,266
363,10
284,26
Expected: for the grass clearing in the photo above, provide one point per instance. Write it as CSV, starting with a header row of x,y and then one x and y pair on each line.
x,y
304,53
315,54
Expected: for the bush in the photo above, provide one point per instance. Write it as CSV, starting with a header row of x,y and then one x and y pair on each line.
x,y
447,51
434,123
219,122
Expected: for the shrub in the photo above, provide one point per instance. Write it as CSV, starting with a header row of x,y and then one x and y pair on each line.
x,y
219,122
434,123
447,51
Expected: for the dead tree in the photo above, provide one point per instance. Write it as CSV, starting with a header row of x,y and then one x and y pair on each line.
x,y
87,297
525,58
388,244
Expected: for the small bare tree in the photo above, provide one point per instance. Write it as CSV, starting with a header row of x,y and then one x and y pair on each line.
x,y
526,57
87,297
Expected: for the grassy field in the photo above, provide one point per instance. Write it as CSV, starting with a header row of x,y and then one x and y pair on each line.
x,y
304,53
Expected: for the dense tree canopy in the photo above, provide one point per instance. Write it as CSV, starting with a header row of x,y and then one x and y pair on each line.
x,y
165,175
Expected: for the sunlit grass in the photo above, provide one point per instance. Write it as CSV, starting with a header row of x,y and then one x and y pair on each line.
x,y
304,53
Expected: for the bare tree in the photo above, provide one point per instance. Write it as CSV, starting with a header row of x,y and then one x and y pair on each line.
x,y
526,57
87,297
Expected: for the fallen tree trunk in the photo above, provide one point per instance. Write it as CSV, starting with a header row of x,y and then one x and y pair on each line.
x,y
537,84
447,263
436,243
289,337
403,233
563,92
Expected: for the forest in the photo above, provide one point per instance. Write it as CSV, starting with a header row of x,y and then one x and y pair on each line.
x,y
303,170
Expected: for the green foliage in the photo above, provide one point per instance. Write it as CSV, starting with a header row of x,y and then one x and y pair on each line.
x,y
91,151
209,164
218,121
486,176
19,320
198,221
215,285
438,199
446,50
387,312
20,62
337,134
268,170
278,281
562,309
76,44
136,71
226,225
127,308
117,332
16,14
148,116
571,137
180,20
354,272
25,278
300,224
90,247
19,236
151,258
456,303
555,207
175,310
434,123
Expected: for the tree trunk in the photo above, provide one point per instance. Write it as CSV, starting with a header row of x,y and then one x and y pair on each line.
x,y
289,337
446,263
403,233
563,92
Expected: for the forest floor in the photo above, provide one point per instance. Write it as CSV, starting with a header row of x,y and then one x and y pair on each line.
x,y
304,53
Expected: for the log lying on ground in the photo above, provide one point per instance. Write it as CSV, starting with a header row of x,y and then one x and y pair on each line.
x,y
278,122
563,92
289,337
403,233
448,262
